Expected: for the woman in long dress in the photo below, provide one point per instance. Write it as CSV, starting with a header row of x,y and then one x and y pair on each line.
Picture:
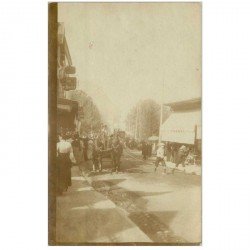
x,y
64,152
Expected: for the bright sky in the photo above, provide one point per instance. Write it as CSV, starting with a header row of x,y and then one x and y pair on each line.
x,y
127,50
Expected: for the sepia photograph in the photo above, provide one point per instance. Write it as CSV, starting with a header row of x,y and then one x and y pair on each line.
x,y
125,123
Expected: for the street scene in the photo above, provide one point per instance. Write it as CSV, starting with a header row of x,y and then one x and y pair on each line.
x,y
159,207
129,145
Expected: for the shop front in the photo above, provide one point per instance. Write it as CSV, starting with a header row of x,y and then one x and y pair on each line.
x,y
67,112
184,128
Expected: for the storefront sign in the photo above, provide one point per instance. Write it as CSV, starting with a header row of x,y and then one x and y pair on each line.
x,y
70,70
179,136
64,107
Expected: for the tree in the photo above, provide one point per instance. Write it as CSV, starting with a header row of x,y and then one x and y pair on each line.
x,y
88,113
143,120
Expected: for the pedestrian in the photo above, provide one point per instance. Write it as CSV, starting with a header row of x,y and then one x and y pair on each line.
x,y
168,152
94,156
173,148
181,157
100,149
85,148
97,148
64,156
154,148
116,153
90,149
144,149
76,147
149,149
160,158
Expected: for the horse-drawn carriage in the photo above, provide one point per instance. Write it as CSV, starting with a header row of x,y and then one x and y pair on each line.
x,y
109,148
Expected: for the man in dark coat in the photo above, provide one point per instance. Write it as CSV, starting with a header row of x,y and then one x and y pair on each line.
x,y
97,155
168,151
85,148
116,153
149,149
144,150
76,147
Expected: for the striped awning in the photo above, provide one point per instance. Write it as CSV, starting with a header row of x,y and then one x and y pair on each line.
x,y
182,127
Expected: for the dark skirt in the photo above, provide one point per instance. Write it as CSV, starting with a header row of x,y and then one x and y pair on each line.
x,y
63,172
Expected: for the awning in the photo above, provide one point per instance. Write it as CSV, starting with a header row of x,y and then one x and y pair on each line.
x,y
66,105
153,138
181,127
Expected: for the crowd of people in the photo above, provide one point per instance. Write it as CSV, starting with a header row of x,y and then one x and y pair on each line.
x,y
75,149
143,145
166,152
163,152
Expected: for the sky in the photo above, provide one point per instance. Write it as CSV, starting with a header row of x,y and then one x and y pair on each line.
x,y
126,52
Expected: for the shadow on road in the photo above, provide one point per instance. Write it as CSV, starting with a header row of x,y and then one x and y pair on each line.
x,y
154,228
106,183
136,205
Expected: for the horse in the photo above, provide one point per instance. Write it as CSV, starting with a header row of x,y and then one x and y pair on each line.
x,y
111,149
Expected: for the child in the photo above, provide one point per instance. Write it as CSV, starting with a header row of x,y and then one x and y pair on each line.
x,y
160,158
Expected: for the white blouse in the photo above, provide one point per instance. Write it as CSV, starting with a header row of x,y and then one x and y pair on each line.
x,y
64,147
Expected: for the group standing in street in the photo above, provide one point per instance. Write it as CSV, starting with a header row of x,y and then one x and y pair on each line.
x,y
170,153
87,147
73,149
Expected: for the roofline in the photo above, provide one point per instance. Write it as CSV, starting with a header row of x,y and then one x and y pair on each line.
x,y
67,51
190,104
184,101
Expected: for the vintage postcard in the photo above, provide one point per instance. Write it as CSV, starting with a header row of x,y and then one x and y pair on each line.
x,y
125,157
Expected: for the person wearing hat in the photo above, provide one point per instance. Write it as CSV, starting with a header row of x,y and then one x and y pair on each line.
x,y
97,155
116,153
110,142
160,157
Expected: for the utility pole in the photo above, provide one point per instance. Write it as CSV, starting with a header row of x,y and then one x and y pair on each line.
x,y
128,124
161,115
139,122
136,121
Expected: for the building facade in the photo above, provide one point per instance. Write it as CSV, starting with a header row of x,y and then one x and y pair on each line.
x,y
183,126
67,110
